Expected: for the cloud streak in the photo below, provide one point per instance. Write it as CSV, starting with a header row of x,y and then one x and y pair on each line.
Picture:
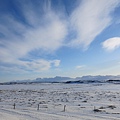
x,y
80,67
29,66
20,39
89,19
43,30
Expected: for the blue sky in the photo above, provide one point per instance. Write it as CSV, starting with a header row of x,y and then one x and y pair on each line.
x,y
47,38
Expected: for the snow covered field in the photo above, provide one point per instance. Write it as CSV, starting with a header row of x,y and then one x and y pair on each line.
x,y
83,102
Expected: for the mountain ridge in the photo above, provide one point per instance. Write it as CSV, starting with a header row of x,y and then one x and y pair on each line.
x,y
59,79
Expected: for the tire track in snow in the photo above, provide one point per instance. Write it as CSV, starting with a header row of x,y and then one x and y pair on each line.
x,y
38,115
19,115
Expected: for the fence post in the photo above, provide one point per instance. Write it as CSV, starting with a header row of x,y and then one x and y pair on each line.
x,y
64,108
14,106
38,107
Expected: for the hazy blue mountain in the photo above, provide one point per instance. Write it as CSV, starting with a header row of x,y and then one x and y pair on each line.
x,y
59,79
55,79
99,77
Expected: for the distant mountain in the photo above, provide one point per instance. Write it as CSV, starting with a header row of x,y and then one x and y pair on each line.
x,y
99,77
67,80
55,79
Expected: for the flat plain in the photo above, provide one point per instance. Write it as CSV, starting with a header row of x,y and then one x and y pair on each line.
x,y
57,101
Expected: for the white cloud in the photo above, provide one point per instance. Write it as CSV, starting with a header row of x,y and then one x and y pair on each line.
x,y
26,66
40,65
56,63
90,18
80,66
111,43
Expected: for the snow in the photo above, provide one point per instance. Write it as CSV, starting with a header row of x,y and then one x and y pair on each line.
x,y
80,101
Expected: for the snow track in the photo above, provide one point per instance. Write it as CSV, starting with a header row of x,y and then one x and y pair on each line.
x,y
34,115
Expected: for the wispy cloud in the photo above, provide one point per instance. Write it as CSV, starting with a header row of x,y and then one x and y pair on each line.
x,y
20,39
80,67
111,43
29,66
89,19
41,29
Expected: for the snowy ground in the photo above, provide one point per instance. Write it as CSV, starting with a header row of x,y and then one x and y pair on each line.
x,y
83,102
